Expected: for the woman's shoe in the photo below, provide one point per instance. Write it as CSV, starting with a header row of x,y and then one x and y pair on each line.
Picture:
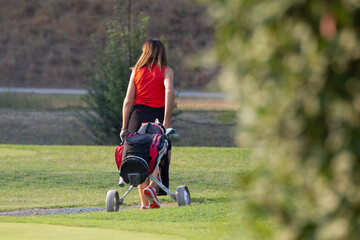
x,y
150,194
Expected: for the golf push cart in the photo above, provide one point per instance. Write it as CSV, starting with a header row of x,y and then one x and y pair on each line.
x,y
137,157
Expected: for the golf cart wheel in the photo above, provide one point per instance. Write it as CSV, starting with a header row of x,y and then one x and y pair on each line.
x,y
112,201
183,195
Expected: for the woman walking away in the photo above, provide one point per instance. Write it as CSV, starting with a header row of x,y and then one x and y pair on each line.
x,y
150,96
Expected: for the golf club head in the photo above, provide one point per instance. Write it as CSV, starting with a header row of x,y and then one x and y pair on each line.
x,y
171,133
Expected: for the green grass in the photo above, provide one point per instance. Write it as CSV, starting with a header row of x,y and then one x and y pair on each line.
x,y
40,101
80,176
226,117
30,231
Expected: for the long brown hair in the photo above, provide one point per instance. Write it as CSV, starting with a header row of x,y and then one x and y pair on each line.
x,y
153,52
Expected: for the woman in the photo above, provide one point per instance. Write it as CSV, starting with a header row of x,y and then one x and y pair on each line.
x,y
150,95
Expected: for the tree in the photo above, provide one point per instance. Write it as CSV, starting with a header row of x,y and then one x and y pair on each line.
x,y
109,79
295,68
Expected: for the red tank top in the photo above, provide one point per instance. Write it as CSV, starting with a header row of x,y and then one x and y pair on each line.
x,y
150,88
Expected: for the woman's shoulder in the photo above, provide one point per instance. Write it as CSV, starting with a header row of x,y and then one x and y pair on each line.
x,y
169,70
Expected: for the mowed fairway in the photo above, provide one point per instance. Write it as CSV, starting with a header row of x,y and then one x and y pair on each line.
x,y
30,231
34,177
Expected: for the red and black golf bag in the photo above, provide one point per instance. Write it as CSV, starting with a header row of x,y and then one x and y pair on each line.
x,y
141,152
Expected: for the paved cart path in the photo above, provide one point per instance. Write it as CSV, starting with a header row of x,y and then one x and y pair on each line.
x,y
54,211
191,94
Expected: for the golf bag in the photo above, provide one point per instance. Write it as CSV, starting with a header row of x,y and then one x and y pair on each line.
x,y
140,153
152,128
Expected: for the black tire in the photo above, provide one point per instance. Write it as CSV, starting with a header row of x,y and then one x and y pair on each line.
x,y
183,195
112,201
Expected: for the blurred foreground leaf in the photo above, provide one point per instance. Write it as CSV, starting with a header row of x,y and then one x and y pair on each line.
x,y
295,67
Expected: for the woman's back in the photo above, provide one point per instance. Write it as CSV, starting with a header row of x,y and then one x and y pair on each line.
x,y
150,88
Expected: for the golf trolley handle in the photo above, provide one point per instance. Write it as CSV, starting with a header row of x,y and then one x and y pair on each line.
x,y
173,196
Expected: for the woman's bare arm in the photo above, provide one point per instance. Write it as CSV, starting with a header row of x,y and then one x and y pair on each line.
x,y
169,96
128,102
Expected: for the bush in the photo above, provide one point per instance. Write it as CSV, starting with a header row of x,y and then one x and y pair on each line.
x,y
109,79
295,67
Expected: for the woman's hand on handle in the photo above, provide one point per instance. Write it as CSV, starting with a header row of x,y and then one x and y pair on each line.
x,y
167,124
123,134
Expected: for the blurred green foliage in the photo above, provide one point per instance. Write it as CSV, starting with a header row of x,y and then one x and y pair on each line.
x,y
294,65
108,80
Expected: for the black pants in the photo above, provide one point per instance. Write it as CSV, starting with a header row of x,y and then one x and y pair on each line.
x,y
141,114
